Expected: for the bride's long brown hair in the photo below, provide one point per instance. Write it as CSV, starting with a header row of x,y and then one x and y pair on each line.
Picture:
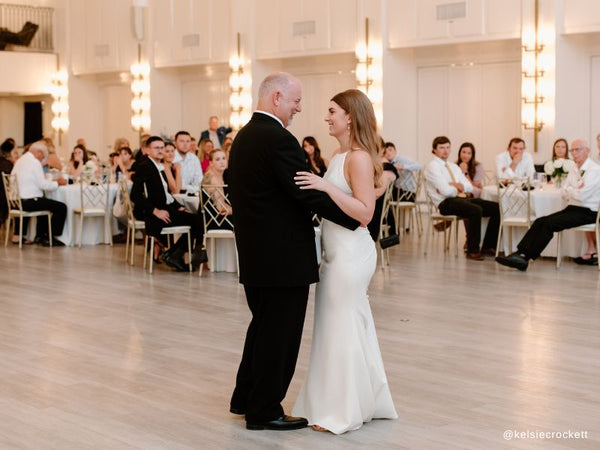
x,y
362,126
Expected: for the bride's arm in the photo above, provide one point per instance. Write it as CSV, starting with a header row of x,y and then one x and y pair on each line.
x,y
361,205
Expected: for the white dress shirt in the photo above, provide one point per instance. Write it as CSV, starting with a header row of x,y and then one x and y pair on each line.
x,y
191,171
30,177
524,169
584,190
161,171
438,179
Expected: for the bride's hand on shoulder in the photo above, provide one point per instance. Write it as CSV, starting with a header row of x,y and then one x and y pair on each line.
x,y
308,180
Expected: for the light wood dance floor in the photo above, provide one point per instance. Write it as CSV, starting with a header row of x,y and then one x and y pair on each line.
x,y
95,354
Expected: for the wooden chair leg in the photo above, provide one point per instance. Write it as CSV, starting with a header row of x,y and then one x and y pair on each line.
x,y
20,232
558,249
8,228
150,254
499,239
50,229
189,236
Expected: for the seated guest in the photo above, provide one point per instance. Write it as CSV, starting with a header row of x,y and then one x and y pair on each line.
x,y
191,171
206,147
404,165
318,164
158,208
451,192
226,146
53,161
560,149
471,168
172,169
514,162
215,133
6,166
139,154
214,182
78,159
32,183
120,143
124,163
582,189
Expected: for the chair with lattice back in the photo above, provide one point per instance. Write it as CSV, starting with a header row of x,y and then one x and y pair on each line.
x,y
448,219
406,201
15,209
384,227
133,225
514,202
94,202
216,215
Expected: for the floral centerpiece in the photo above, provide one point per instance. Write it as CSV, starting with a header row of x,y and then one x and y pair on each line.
x,y
89,170
558,169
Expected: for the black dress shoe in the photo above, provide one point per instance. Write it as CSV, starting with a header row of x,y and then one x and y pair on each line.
x,y
514,260
238,411
57,243
174,259
284,423
44,242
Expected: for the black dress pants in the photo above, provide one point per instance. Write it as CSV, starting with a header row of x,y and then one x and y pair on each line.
x,y
178,217
473,209
540,234
59,213
270,351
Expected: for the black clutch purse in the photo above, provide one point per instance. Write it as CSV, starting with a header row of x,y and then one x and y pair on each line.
x,y
389,241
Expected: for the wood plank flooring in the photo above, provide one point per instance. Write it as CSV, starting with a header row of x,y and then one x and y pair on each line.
x,y
96,354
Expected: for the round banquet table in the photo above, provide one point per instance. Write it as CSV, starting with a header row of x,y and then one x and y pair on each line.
x,y
93,227
544,201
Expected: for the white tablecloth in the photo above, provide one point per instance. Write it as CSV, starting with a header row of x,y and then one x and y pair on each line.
x,y
221,252
544,201
93,227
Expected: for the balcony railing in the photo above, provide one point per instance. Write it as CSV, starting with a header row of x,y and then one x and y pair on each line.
x,y
13,17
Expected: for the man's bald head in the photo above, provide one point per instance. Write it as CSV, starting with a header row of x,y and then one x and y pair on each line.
x,y
280,94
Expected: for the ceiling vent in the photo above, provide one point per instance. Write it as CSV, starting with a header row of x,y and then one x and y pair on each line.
x,y
451,11
190,40
305,28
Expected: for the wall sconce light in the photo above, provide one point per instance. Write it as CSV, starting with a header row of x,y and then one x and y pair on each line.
x,y
532,79
369,72
60,102
140,102
240,83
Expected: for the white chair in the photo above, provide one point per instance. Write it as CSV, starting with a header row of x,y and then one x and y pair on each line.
x,y
94,195
213,201
593,227
15,209
406,202
133,225
435,215
514,202
174,230
384,226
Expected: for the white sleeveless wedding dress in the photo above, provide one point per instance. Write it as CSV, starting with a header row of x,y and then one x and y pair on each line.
x,y
346,383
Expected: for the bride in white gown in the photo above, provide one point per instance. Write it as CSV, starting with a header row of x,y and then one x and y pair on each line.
x,y
346,383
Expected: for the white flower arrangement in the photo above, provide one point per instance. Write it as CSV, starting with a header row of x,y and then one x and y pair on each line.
x,y
90,167
558,168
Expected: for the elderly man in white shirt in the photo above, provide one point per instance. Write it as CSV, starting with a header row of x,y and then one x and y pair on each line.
x,y
514,162
582,190
191,171
450,190
32,184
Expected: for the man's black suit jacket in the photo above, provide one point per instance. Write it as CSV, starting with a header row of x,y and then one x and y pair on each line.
x,y
272,215
147,174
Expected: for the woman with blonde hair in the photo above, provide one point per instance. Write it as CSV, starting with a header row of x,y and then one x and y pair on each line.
x,y
346,384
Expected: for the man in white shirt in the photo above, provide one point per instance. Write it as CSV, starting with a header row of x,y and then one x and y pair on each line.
x,y
191,171
451,191
32,184
514,162
582,189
